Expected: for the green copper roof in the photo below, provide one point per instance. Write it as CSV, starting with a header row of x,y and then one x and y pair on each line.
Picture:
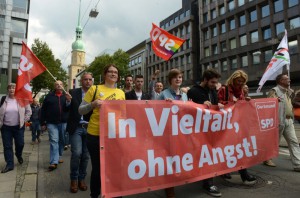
x,y
78,45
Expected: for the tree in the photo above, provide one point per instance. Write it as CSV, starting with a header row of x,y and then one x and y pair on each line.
x,y
45,81
119,58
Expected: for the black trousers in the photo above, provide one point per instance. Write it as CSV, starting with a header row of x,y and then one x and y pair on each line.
x,y
92,142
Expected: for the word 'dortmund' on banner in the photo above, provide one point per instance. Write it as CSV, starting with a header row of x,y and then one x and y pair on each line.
x,y
156,144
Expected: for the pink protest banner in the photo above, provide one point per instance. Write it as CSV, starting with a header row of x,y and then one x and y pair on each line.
x,y
150,145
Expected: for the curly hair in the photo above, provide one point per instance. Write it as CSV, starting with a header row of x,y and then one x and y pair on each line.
x,y
235,75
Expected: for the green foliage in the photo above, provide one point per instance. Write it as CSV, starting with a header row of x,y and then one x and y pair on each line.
x,y
45,81
119,58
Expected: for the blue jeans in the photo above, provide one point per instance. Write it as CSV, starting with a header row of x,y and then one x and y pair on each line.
x,y
80,154
57,141
9,133
35,130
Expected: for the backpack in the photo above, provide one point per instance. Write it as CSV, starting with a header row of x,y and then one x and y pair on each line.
x,y
2,100
87,116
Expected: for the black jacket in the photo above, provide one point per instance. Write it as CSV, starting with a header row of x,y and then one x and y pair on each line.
x,y
74,116
54,109
132,96
200,94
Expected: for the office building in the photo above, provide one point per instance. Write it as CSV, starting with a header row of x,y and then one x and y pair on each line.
x,y
14,15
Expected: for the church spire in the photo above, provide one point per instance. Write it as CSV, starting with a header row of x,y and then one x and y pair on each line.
x,y
78,45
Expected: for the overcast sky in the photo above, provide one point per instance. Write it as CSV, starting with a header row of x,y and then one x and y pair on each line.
x,y
120,24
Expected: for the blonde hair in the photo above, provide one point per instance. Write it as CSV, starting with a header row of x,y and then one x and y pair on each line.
x,y
235,75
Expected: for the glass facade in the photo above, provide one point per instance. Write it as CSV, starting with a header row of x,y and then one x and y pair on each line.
x,y
278,6
253,16
265,11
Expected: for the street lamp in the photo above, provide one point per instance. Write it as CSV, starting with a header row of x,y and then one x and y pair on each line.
x,y
94,13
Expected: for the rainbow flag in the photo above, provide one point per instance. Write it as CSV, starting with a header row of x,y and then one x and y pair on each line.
x,y
164,44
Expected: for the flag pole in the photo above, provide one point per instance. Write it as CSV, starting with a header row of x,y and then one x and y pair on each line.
x,y
55,79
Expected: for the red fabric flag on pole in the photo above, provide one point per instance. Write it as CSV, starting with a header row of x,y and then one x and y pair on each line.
x,y
30,67
164,44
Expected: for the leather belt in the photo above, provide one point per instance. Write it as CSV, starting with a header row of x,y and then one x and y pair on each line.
x,y
83,125
288,117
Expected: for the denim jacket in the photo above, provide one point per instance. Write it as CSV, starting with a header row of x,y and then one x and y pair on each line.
x,y
170,93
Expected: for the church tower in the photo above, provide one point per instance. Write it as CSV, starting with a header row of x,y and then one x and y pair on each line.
x,y
78,56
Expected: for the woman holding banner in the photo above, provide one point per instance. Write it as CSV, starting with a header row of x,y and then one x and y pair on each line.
x,y
92,101
231,93
169,94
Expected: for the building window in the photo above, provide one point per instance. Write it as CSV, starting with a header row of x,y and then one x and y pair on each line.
x,y
293,47
206,34
265,11
214,31
254,37
182,60
230,5
213,13
232,43
206,52
293,3
215,66
224,65
20,6
18,28
187,42
205,17
223,27
232,24
181,16
242,20
176,19
280,28
140,59
182,31
243,40
294,23
244,60
205,2
255,59
187,13
222,10
189,28
223,46
188,58
233,63
268,55
241,2
278,6
2,23
215,49
253,16
267,33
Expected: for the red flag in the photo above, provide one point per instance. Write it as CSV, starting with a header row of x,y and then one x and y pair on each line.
x,y
164,44
30,67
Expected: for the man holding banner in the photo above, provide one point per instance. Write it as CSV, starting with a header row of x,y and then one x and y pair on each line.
x,y
286,119
205,93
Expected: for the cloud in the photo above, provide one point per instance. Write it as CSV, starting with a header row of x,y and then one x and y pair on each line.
x,y
119,24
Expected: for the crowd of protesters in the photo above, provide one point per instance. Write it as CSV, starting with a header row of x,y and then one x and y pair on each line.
x,y
77,113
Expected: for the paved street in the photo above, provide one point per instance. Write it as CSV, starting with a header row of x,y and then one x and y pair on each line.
x,y
32,178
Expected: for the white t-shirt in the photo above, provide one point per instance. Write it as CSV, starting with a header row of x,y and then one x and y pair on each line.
x,y
139,95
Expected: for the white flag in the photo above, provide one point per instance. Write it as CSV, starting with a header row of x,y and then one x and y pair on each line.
x,y
280,58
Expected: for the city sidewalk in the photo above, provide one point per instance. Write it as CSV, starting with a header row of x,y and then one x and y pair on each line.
x,y
22,181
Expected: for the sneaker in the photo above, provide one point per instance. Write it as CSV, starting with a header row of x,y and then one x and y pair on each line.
x,y
297,169
52,167
213,191
249,180
269,163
